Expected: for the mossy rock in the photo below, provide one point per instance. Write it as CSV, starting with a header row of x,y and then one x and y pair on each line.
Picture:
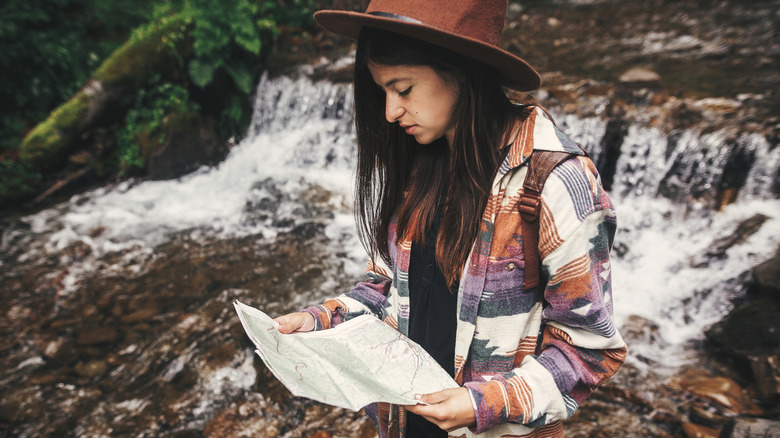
x,y
48,142
154,49
164,42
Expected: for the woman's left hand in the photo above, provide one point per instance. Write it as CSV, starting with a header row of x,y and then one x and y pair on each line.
x,y
449,409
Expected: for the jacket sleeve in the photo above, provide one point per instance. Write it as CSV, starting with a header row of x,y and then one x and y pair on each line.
x,y
580,347
367,297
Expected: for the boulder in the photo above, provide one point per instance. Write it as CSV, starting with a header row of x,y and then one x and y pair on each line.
x,y
751,329
717,393
190,142
750,334
751,427
718,248
766,278
766,374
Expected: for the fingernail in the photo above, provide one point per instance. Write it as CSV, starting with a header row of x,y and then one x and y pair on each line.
x,y
417,396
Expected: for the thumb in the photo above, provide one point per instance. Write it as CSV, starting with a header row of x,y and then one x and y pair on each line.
x,y
286,324
431,399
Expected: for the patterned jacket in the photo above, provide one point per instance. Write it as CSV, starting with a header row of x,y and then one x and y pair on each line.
x,y
528,358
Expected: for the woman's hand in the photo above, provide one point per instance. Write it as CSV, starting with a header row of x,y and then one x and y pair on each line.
x,y
449,409
295,322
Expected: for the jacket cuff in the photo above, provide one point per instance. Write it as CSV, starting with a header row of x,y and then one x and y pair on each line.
x,y
321,317
489,404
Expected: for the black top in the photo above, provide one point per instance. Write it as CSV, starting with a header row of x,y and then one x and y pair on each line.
x,y
432,318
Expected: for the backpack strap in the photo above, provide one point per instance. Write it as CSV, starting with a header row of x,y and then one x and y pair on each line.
x,y
540,165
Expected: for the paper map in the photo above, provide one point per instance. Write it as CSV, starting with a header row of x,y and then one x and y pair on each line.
x,y
354,364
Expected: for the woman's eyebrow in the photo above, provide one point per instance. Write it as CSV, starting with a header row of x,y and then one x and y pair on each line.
x,y
391,82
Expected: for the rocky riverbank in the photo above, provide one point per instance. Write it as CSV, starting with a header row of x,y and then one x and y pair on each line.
x,y
148,345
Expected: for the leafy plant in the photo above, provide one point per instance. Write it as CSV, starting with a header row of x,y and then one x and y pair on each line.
x,y
144,124
16,181
48,49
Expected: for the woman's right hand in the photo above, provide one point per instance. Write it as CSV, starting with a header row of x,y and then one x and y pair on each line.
x,y
295,322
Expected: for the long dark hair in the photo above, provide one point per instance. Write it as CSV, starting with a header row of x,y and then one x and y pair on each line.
x,y
398,176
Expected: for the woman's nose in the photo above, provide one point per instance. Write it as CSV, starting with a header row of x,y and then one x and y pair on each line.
x,y
393,111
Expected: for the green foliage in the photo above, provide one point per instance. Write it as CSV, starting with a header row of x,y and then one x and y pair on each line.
x,y
225,35
291,13
47,50
228,38
16,181
144,124
209,55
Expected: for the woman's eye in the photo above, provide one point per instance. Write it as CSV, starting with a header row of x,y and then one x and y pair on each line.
x,y
405,92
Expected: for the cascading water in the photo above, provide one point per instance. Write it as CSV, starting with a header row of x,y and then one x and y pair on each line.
x,y
300,146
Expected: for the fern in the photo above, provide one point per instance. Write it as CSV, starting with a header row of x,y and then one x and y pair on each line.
x,y
200,72
143,127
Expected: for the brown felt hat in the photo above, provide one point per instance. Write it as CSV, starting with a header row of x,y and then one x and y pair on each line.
x,y
470,27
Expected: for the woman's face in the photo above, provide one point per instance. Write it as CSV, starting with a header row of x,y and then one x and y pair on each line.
x,y
418,99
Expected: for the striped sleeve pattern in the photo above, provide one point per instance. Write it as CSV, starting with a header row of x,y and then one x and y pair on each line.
x,y
367,297
580,347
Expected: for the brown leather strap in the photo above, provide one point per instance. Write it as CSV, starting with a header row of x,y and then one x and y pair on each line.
x,y
540,165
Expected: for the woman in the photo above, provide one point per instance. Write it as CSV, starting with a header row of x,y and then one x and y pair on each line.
x,y
442,155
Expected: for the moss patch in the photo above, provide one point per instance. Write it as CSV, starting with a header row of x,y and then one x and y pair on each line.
x,y
48,142
162,41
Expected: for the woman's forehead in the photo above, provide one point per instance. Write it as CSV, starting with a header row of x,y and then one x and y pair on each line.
x,y
387,75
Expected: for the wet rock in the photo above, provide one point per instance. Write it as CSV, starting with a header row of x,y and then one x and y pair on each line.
x,y
66,322
766,375
704,415
752,427
735,173
766,279
46,379
21,403
97,336
750,334
140,315
60,349
91,369
751,329
191,142
692,430
716,392
718,248
666,416
220,355
264,204
640,77
640,329
251,418
610,151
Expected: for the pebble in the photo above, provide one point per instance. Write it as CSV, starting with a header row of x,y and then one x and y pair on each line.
x,y
638,74
97,336
91,369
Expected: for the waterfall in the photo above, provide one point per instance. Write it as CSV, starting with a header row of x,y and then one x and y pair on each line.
x,y
302,139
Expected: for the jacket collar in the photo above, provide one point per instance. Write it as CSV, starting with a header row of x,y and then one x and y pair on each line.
x,y
537,132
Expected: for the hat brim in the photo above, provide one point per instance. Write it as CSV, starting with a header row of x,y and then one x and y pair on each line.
x,y
515,72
